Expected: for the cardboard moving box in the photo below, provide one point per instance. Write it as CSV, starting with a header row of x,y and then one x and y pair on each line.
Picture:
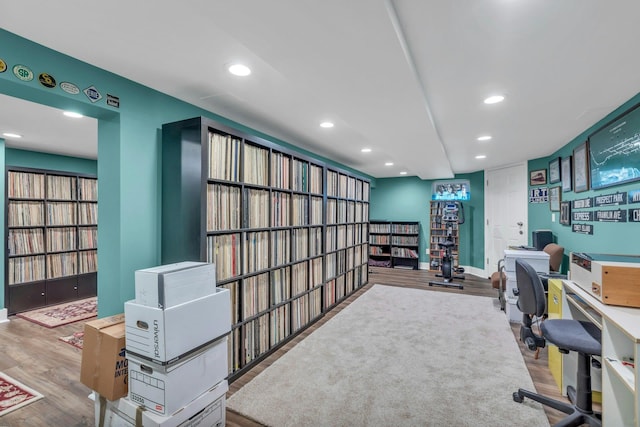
x,y
165,389
207,410
172,284
164,336
104,367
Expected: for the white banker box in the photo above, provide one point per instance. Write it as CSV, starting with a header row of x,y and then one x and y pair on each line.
x,y
206,410
165,389
164,335
173,284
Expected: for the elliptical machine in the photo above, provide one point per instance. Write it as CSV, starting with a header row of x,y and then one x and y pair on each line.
x,y
453,213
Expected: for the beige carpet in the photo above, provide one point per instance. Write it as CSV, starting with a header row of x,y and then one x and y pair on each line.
x,y
398,357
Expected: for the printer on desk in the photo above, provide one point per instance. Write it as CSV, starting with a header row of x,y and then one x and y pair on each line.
x,y
611,279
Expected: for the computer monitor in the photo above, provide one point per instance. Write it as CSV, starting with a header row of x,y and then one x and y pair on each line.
x,y
541,238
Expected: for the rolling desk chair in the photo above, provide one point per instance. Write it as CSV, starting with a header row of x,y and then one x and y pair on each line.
x,y
568,335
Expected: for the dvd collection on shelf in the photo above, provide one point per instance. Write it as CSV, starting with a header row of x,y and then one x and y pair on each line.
x,y
52,237
288,233
394,244
440,231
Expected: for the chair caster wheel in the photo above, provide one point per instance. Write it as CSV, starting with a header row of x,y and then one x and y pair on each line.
x,y
517,397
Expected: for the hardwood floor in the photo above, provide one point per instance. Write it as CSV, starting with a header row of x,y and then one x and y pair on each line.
x,y
33,355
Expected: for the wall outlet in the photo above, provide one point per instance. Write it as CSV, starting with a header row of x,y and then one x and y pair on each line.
x,y
553,217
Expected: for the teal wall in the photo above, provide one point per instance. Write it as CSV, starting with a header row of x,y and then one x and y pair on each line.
x,y
36,160
615,238
128,152
408,199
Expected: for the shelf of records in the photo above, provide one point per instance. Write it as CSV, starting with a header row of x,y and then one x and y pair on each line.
x,y
23,269
274,305
225,209
287,233
239,254
286,172
51,225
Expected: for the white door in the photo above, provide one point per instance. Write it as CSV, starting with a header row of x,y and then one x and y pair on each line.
x,y
505,206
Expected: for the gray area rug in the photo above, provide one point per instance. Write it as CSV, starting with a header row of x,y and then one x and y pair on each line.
x,y
398,357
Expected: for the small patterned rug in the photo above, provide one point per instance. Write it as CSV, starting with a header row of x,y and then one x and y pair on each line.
x,y
14,395
62,314
75,340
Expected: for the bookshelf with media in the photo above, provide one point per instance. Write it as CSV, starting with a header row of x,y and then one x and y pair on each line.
x,y
440,231
405,237
346,246
259,211
380,244
394,244
51,231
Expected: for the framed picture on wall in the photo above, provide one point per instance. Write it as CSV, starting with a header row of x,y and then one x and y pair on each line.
x,y
581,167
554,198
565,172
554,171
538,177
565,213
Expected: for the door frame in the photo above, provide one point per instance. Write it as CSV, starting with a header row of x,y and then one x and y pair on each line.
x,y
491,265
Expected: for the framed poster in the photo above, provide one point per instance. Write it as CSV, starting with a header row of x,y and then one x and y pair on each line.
x,y
554,198
538,177
565,168
565,213
554,171
613,151
581,168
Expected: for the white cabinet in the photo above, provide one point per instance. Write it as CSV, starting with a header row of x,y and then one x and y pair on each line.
x,y
539,260
620,342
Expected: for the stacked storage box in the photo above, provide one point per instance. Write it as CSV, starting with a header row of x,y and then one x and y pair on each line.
x,y
176,343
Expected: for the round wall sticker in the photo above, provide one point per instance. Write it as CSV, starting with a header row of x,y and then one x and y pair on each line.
x,y
70,88
23,73
47,80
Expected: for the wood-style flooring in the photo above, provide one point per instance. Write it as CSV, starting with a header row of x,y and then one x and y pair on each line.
x,y
33,355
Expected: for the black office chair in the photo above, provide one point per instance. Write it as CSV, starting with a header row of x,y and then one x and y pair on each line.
x,y
568,335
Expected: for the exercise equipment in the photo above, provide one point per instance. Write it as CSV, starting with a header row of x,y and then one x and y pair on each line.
x,y
452,213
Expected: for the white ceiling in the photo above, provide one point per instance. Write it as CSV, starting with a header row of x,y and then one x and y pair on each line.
x,y
405,78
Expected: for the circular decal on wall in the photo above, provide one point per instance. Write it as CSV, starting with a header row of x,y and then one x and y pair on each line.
x,y
47,80
23,73
70,88
3,66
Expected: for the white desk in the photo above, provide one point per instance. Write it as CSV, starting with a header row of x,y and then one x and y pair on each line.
x,y
620,337
539,260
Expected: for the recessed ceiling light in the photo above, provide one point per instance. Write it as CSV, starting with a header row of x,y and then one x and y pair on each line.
x,y
366,150
494,99
484,138
403,173
12,135
326,125
389,164
481,156
73,114
239,70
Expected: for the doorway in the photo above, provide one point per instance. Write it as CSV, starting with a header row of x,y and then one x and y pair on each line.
x,y
505,212
45,144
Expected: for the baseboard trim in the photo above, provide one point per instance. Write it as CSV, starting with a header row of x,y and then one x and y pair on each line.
x,y
3,315
467,270
475,271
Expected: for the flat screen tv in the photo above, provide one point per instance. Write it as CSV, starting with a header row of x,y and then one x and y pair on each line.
x,y
614,151
451,190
